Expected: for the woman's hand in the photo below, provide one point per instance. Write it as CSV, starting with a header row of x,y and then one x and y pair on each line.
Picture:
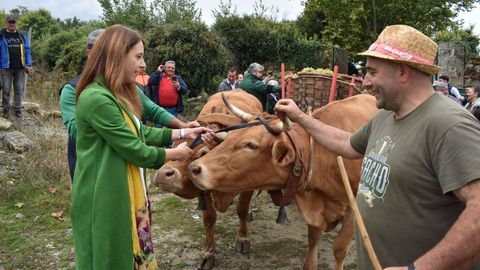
x,y
192,124
181,152
206,133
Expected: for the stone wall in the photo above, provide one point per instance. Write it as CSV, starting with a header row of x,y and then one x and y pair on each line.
x,y
472,71
451,57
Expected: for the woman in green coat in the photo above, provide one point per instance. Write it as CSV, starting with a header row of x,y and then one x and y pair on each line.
x,y
110,207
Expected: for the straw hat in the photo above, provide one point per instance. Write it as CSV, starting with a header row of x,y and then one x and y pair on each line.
x,y
405,44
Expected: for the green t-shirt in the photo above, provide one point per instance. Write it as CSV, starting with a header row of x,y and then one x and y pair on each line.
x,y
410,167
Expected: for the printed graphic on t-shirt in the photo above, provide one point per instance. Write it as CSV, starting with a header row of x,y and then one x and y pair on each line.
x,y
13,43
375,171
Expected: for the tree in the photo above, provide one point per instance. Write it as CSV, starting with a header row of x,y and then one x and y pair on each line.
x,y
176,11
41,21
355,24
225,10
65,50
464,36
262,11
255,39
312,20
71,23
133,13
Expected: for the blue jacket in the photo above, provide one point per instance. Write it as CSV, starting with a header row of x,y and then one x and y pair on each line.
x,y
154,82
24,50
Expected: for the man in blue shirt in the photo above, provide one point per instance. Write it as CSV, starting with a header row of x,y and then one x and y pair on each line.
x,y
15,63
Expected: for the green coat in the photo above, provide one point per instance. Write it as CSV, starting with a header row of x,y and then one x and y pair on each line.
x,y
100,200
255,86
151,111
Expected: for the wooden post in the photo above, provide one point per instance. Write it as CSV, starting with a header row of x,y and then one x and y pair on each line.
x,y
358,217
282,67
350,90
333,86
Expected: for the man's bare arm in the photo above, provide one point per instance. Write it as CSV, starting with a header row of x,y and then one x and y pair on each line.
x,y
332,138
460,248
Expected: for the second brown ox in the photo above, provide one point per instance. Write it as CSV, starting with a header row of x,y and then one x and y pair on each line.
x,y
255,159
173,175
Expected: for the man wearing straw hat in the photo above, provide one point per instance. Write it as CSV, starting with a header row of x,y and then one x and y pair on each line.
x,y
418,193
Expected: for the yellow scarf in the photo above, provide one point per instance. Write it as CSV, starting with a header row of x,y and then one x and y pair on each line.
x,y
138,207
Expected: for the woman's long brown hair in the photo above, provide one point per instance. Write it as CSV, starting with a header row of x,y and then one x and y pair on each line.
x,y
107,58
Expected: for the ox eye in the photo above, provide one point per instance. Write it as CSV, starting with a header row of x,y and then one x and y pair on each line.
x,y
250,145
202,152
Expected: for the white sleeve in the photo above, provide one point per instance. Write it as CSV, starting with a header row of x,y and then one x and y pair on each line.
x,y
455,92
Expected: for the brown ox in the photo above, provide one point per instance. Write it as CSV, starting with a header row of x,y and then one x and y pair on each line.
x,y
173,175
254,159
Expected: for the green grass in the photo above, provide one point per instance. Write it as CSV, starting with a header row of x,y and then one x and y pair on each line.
x,y
30,238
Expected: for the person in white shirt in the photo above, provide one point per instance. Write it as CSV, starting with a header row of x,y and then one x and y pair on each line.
x,y
452,90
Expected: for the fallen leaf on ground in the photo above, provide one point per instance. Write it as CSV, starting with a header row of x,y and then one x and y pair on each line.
x,y
58,215
52,190
19,205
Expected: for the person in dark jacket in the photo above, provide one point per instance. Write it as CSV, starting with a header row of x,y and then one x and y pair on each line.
x,y
230,82
15,63
254,84
167,88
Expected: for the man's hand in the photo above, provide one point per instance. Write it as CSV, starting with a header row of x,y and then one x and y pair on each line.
x,y
288,107
267,79
160,68
176,85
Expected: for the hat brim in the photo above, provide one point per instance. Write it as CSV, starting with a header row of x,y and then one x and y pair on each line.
x,y
429,69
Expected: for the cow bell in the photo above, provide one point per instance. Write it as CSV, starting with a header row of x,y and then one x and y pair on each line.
x,y
282,216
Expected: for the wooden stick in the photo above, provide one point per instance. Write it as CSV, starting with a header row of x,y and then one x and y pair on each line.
x,y
358,218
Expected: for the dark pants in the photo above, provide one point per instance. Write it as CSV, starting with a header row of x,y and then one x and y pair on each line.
x,y
72,156
17,78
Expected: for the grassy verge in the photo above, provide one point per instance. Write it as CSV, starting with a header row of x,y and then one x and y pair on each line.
x,y
34,210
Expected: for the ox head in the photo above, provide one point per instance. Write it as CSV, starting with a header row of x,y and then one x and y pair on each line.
x,y
248,159
173,175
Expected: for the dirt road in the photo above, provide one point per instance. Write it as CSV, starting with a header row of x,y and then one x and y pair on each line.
x,y
178,231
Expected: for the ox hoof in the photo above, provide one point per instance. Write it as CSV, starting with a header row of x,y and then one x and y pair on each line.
x,y
206,263
243,246
249,217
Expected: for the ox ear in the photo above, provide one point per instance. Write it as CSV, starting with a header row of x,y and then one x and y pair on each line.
x,y
283,153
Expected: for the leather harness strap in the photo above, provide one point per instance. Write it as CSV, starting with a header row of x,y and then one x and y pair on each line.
x,y
295,175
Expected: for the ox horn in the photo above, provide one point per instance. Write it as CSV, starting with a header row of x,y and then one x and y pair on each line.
x,y
246,117
221,136
286,124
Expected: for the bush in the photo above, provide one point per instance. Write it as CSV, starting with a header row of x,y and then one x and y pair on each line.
x,y
255,39
65,51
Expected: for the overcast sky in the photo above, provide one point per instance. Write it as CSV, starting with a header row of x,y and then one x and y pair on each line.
x,y
90,9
